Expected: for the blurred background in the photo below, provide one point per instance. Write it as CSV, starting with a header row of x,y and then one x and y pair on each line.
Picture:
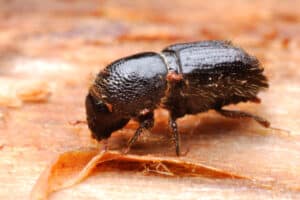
x,y
50,51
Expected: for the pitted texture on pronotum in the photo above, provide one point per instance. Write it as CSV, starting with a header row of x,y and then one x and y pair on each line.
x,y
185,78
134,83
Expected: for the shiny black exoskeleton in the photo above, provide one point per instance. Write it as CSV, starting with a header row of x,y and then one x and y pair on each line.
x,y
186,78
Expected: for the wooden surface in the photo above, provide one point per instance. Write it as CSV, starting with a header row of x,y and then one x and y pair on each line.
x,y
50,51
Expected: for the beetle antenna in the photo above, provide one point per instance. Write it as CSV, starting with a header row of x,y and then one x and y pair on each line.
x,y
77,122
288,133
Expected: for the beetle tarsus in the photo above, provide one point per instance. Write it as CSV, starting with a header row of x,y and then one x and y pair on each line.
x,y
176,137
241,114
105,145
126,150
146,122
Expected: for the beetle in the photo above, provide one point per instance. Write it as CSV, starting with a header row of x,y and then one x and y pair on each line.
x,y
184,78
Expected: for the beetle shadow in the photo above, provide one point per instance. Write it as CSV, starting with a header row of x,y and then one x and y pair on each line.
x,y
217,125
196,130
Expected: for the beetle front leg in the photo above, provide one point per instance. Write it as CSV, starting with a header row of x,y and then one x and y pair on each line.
x,y
241,114
146,122
176,136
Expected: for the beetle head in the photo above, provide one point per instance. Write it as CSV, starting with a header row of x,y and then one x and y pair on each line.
x,y
100,119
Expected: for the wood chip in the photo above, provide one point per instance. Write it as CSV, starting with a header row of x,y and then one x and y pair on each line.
x,y
73,167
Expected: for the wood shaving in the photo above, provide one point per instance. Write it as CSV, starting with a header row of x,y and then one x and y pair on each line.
x,y
14,93
34,92
73,167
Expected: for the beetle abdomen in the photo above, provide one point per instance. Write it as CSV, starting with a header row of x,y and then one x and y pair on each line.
x,y
214,55
214,90
215,73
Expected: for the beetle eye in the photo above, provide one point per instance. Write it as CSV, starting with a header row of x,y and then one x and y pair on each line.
x,y
101,107
98,105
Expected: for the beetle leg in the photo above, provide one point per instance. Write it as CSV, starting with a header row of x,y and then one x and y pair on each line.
x,y
241,114
176,137
146,122
105,144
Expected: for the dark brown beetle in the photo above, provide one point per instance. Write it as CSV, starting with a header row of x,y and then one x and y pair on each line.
x,y
187,78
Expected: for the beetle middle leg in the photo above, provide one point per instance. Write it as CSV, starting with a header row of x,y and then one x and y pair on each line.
x,y
146,122
176,137
241,114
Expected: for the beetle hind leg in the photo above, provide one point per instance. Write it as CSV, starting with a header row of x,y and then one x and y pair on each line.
x,y
146,122
240,114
